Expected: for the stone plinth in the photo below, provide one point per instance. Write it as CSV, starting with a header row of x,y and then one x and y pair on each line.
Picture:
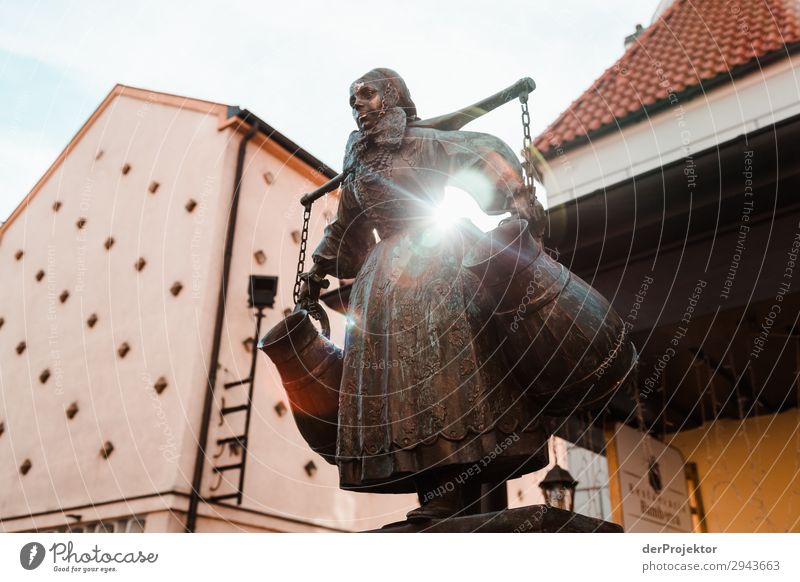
x,y
530,519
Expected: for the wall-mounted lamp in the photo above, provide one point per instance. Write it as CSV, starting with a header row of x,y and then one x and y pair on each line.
x,y
262,290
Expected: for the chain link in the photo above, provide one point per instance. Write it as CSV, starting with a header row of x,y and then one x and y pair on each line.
x,y
301,260
526,143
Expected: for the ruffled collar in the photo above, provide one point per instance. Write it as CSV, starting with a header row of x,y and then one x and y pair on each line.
x,y
386,135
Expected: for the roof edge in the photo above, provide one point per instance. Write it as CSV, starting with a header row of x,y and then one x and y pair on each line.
x,y
756,63
710,150
118,90
226,114
276,136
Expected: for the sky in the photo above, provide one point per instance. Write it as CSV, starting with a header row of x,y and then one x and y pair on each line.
x,y
291,63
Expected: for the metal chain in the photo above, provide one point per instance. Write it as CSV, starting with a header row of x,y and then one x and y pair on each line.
x,y
301,260
526,143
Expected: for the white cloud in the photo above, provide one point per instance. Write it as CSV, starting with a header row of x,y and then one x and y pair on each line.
x,y
23,160
291,63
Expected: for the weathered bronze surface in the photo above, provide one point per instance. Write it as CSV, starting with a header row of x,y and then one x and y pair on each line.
x,y
432,398
563,338
311,370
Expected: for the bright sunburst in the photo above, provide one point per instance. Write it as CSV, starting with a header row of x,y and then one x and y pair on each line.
x,y
458,204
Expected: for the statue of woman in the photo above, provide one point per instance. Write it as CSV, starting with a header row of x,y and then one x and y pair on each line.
x,y
427,402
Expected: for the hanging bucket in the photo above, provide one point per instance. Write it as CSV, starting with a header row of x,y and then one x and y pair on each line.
x,y
310,367
565,342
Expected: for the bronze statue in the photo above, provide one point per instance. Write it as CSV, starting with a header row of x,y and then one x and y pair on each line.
x,y
425,397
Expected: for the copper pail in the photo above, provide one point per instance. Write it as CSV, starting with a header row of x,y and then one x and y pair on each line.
x,y
566,344
310,367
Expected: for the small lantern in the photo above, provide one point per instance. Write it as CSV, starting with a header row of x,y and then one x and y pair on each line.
x,y
262,291
558,487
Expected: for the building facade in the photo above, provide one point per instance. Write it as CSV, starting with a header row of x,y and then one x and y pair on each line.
x,y
672,186
109,310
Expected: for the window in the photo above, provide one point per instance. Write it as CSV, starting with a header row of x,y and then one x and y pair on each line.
x,y
590,470
124,525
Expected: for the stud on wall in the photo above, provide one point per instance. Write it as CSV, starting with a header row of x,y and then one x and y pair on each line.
x,y
260,257
44,376
81,222
139,265
248,345
56,205
21,347
64,296
191,205
310,468
280,408
176,288
40,275
269,178
2,322
72,410
123,349
160,385
109,243
107,449
126,168
153,187
92,320
296,236
99,154
18,254
2,428
25,466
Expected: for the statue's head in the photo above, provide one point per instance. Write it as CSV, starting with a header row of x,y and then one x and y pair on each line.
x,y
377,92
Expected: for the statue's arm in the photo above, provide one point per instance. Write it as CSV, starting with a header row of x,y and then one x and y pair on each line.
x,y
485,167
346,241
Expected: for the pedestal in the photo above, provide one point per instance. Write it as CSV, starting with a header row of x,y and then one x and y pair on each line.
x,y
530,519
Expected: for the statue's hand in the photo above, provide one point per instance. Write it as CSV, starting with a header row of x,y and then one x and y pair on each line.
x,y
527,206
312,283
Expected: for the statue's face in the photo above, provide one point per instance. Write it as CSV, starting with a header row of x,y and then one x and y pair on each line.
x,y
366,102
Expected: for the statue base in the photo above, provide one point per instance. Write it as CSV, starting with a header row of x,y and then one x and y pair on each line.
x,y
529,519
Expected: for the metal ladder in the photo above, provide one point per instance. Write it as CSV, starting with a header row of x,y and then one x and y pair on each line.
x,y
238,443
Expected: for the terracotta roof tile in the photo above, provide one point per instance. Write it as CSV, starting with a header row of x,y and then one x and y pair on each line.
x,y
693,42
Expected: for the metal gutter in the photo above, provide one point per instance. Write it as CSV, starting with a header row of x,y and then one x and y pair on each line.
x,y
283,141
590,213
257,125
199,464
